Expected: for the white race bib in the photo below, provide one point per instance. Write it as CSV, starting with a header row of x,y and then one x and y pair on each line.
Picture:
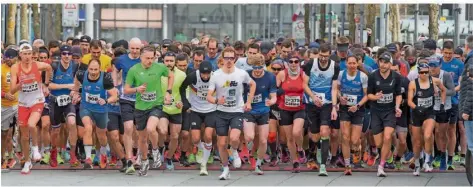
x,y
257,98
352,100
92,98
148,96
292,101
63,100
425,102
386,98
31,87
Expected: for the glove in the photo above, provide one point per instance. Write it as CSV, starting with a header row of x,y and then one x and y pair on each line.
x,y
442,108
419,110
280,91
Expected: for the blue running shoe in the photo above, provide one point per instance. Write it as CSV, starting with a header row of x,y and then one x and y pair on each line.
x,y
96,160
443,164
408,156
169,164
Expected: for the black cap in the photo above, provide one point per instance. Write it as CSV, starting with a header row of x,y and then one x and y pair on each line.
x,y
167,42
85,38
258,40
205,67
65,48
280,40
386,56
122,43
430,44
10,53
458,51
266,47
392,47
342,47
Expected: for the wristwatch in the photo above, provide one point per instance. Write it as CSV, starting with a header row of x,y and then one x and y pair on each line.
x,y
169,91
357,106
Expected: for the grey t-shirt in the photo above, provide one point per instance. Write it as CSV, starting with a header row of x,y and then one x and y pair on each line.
x,y
230,86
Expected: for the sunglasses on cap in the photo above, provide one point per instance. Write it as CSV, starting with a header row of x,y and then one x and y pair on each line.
x,y
258,67
170,54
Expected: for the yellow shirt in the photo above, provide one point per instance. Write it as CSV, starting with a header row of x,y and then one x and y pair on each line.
x,y
6,86
105,62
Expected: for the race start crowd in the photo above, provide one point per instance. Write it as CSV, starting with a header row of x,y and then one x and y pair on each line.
x,y
92,103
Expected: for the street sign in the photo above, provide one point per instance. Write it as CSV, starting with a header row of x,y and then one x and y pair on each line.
x,y
70,15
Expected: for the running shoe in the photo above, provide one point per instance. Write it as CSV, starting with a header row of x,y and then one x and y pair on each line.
x,y
253,162
450,165
312,164
398,165
215,155
371,160
427,167
225,174
381,172
59,158
198,156
144,168
203,170
389,165
323,171
66,155
191,159
296,167
211,159
356,159
103,161
26,168
366,155
113,161
88,164
456,158
96,160
462,161
285,156
53,162
274,161
236,159
169,164
340,162
258,170
4,164
347,170
443,164
244,154
183,160
302,158
36,154
74,162
129,168
46,158
156,159
416,171
436,162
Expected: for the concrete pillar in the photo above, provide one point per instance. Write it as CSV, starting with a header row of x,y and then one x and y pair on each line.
x,y
89,20
239,18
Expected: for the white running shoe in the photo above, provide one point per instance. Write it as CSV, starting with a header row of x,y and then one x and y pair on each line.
x,y
138,160
36,154
156,159
203,169
381,172
416,171
428,168
236,159
225,174
27,168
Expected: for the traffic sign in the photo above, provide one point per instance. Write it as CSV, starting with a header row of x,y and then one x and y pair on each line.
x,y
70,15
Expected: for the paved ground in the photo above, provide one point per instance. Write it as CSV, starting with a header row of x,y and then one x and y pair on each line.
x,y
238,178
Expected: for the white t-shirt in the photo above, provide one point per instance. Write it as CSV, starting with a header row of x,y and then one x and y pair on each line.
x,y
363,77
231,87
242,63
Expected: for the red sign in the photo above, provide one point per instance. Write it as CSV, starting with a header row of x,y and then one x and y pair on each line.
x,y
70,6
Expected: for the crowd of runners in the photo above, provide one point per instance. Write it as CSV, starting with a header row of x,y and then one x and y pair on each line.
x,y
88,103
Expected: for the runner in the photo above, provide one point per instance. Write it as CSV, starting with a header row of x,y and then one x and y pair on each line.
x,y
62,110
264,97
116,130
201,111
352,85
323,75
384,90
26,78
96,85
227,83
9,109
172,111
421,99
144,80
127,101
292,83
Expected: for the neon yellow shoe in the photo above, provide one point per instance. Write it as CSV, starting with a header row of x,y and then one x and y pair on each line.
x,y
59,158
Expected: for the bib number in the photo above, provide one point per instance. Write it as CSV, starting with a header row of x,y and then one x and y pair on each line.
x,y
292,101
386,98
230,100
148,96
258,98
92,98
352,100
172,101
425,102
28,88
63,100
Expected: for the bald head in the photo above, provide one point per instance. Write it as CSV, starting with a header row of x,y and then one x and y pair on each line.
x,y
135,46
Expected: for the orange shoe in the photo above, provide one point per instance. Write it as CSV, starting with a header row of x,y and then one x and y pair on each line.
x,y
311,164
11,163
113,161
365,156
356,159
103,161
371,160
347,170
5,164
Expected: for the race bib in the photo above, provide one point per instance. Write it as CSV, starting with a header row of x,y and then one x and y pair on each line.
x,y
148,96
92,98
31,87
63,100
437,99
352,100
292,101
386,98
424,102
172,101
202,95
257,98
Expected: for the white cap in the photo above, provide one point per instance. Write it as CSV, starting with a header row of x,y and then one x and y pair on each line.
x,y
25,47
195,41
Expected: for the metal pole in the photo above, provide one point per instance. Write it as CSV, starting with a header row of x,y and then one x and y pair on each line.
x,y
469,14
280,17
30,25
386,21
269,21
18,8
382,22
89,20
362,23
456,35
329,23
264,21
314,16
416,22
239,23
342,32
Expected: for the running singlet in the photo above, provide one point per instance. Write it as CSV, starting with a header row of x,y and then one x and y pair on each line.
x,y
291,100
153,95
438,101
91,93
424,97
6,79
230,86
61,77
124,63
198,94
390,87
352,89
179,77
114,107
320,81
31,91
455,68
264,86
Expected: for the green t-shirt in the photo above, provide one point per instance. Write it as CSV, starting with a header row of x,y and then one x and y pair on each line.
x,y
153,96
179,77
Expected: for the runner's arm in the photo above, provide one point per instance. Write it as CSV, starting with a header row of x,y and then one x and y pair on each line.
x,y
307,90
334,92
457,88
112,95
397,90
410,94
371,88
443,90
130,80
14,86
49,71
182,90
211,90
170,79
447,79
115,75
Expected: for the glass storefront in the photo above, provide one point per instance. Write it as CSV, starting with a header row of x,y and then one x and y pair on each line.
x,y
125,21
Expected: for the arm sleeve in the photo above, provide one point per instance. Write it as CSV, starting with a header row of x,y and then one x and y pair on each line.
x,y
246,78
397,88
117,63
213,81
371,86
107,81
336,72
448,83
308,66
190,79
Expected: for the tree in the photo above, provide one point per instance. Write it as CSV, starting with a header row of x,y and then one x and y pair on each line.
x,y
323,21
373,10
306,23
11,22
351,22
24,27
395,22
434,21
36,26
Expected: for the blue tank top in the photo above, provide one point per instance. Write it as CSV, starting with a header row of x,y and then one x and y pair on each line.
x,y
114,107
352,89
320,82
61,77
91,92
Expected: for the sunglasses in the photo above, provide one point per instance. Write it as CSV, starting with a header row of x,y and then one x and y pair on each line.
x,y
293,61
276,69
424,72
229,58
66,53
258,67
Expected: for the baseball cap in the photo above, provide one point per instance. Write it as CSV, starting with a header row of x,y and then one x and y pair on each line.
x,y
342,47
258,40
23,42
278,61
76,51
85,38
195,41
280,40
420,66
434,62
10,53
386,57
313,45
25,47
392,47
167,42
458,51
65,48
266,47
430,44
205,67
